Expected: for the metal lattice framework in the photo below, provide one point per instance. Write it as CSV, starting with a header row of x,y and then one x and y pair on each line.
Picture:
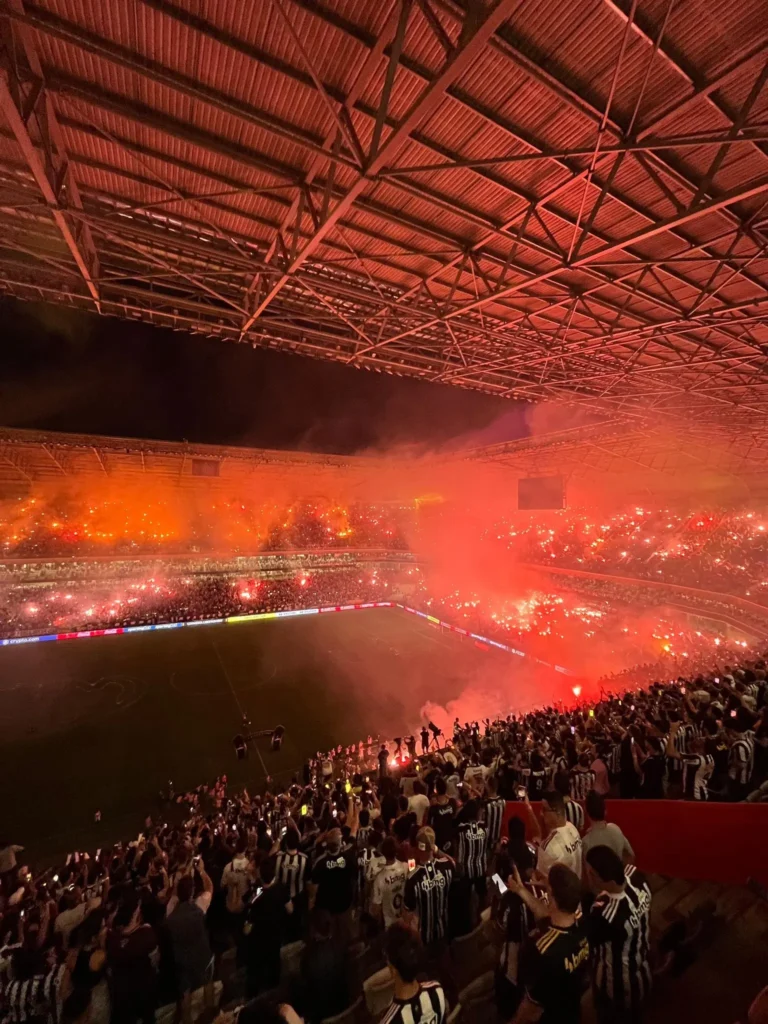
x,y
539,200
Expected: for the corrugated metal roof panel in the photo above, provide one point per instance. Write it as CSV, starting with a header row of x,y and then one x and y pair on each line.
x,y
177,151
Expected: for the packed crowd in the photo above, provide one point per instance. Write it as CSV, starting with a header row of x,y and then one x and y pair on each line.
x,y
721,550
389,850
78,607
586,621
138,522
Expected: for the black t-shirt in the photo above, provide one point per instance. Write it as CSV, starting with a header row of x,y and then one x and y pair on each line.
x,y
267,916
554,969
441,819
426,893
383,756
334,875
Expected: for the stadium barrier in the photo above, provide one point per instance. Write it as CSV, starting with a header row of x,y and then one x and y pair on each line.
x,y
703,841
14,641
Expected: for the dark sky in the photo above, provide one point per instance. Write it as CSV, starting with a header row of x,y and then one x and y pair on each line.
x,y
79,372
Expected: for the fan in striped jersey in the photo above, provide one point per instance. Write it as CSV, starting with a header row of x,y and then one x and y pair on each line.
x,y
619,933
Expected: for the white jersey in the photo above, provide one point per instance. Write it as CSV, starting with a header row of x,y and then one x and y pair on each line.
x,y
562,846
388,886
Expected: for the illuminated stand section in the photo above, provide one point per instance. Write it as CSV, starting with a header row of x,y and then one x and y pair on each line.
x,y
261,616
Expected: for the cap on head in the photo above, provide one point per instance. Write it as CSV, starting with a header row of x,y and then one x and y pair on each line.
x,y
425,840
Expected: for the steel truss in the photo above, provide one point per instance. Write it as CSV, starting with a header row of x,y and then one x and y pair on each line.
x,y
625,272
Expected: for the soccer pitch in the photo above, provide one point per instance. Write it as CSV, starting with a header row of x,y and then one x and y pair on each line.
x,y
104,723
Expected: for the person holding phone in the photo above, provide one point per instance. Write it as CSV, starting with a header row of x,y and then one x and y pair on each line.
x,y
512,915
554,960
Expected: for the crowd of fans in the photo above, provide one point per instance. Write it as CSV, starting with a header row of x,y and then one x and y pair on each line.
x,y
138,523
720,550
390,853
77,607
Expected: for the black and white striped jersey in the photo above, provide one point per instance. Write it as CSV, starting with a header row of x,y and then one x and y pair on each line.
x,y
291,870
575,814
687,732
426,894
697,771
428,1006
619,934
582,780
741,760
37,998
471,849
494,816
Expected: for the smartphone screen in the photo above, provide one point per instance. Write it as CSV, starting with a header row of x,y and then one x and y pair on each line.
x,y
501,886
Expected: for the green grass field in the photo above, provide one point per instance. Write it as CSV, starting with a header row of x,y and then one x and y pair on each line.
x,y
104,723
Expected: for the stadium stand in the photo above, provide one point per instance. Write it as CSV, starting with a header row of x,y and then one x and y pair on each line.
x,y
429,876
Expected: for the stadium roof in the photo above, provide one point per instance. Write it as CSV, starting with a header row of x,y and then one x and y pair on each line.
x,y
539,200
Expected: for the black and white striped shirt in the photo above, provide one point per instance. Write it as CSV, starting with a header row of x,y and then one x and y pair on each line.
x,y
291,870
575,814
582,780
494,816
697,771
472,849
687,732
428,1006
741,761
426,893
362,836
36,998
619,932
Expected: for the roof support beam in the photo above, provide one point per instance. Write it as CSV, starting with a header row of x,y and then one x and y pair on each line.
x,y
711,206
425,104
28,109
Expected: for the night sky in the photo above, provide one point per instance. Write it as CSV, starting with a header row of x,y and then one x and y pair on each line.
x,y
78,372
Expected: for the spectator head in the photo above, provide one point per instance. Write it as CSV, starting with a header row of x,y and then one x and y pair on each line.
x,y
403,952
185,889
553,809
425,844
292,840
419,788
402,804
389,849
441,787
334,840
364,818
595,804
241,845
565,886
471,810
604,867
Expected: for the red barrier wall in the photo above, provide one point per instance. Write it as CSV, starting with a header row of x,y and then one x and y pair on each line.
x,y
714,842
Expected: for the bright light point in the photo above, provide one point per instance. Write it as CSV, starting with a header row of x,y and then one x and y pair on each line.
x,y
577,691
